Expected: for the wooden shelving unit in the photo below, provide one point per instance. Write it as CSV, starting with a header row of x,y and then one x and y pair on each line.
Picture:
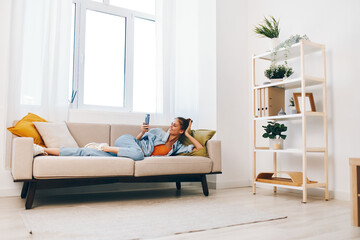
x,y
297,51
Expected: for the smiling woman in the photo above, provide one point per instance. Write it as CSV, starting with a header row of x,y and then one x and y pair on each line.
x,y
153,142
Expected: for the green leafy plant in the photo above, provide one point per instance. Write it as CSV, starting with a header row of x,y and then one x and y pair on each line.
x,y
269,29
293,39
292,102
274,129
279,71
286,45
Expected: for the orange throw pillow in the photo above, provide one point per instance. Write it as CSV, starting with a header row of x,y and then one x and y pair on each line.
x,y
26,128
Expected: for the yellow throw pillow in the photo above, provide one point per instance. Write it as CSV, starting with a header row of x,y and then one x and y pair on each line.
x,y
201,152
202,135
26,128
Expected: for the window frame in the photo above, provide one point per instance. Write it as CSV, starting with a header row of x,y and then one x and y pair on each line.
x,y
81,7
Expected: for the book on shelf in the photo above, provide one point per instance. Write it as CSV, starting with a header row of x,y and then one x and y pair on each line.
x,y
269,101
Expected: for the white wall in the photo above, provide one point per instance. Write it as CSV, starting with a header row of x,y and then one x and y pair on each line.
x,y
333,23
207,64
337,25
233,94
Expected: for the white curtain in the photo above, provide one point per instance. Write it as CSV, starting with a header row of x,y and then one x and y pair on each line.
x,y
165,27
186,85
180,58
39,60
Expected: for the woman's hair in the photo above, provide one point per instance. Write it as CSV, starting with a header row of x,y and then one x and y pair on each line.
x,y
183,122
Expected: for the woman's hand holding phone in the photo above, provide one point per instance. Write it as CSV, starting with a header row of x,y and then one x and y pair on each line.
x,y
144,128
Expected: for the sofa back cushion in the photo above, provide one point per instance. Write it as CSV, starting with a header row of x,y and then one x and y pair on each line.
x,y
55,134
85,133
120,129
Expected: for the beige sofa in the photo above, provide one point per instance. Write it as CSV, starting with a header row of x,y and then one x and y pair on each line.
x,y
44,172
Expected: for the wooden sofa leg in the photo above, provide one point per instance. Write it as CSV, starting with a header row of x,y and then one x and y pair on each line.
x,y
24,190
204,185
30,195
178,185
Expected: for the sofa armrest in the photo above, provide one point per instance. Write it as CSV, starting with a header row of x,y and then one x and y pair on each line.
x,y
214,151
22,158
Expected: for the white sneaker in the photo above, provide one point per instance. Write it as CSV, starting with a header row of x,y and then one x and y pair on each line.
x,y
98,146
38,150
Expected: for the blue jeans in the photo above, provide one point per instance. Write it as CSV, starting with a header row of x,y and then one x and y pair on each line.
x,y
128,146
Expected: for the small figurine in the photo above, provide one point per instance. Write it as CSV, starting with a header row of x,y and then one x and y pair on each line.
x,y
281,112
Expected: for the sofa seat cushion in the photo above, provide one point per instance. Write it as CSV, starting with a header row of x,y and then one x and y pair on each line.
x,y
152,166
50,167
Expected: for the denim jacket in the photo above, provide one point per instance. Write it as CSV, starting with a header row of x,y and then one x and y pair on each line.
x,y
157,136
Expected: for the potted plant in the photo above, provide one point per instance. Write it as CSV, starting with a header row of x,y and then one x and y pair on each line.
x,y
286,45
273,131
292,106
278,73
270,29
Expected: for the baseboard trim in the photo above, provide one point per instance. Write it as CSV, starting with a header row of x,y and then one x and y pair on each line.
x,y
14,192
8,187
228,184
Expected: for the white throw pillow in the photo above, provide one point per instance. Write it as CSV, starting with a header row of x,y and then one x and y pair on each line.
x,y
55,134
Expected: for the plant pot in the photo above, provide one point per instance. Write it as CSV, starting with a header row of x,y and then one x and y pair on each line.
x,y
274,80
273,43
277,143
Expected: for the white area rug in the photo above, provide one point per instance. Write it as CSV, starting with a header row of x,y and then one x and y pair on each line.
x,y
139,219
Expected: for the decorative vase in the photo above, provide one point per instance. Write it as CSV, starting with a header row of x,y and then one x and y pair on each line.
x,y
273,43
276,144
293,110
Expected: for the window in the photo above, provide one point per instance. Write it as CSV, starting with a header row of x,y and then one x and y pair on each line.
x,y
146,6
115,55
104,59
72,55
144,65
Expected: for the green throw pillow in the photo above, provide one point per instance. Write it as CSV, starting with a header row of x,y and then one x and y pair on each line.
x,y
202,135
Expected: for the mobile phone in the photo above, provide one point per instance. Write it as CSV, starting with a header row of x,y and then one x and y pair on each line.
x,y
147,119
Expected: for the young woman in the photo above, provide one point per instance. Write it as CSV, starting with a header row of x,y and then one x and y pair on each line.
x,y
153,142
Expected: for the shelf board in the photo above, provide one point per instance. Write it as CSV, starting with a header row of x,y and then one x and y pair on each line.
x,y
291,116
316,185
289,150
293,83
309,185
280,118
315,149
294,51
314,114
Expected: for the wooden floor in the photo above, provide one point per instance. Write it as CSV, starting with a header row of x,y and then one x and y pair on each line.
x,y
316,219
